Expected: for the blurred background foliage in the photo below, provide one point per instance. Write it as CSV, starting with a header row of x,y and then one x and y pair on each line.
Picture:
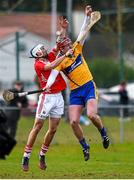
x,y
111,42
106,72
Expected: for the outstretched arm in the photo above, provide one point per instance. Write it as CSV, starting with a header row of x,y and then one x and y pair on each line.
x,y
58,60
88,11
63,25
63,22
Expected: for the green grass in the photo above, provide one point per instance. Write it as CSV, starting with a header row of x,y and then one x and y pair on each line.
x,y
65,158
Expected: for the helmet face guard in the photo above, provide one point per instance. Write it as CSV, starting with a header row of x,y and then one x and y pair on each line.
x,y
35,50
62,42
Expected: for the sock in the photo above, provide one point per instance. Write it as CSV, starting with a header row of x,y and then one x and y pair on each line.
x,y
83,143
43,150
27,151
103,132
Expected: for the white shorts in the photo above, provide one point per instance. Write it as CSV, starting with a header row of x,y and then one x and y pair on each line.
x,y
51,105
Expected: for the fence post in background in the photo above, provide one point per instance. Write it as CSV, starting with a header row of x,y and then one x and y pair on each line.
x,y
17,57
121,125
67,92
120,37
53,21
69,17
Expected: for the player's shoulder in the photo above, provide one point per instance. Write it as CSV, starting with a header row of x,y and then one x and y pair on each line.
x,y
77,46
39,61
39,64
63,64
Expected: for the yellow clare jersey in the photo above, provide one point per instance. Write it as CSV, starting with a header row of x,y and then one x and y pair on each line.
x,y
75,68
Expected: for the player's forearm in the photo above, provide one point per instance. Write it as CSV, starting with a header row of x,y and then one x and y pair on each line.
x,y
52,78
55,63
63,32
85,23
83,30
63,22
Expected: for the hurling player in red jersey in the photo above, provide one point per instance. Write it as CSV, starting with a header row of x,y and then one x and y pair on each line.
x,y
50,104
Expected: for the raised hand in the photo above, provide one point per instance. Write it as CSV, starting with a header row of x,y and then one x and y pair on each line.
x,y
88,10
63,22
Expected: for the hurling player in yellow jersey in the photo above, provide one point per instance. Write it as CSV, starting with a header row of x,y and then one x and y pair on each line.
x,y
83,89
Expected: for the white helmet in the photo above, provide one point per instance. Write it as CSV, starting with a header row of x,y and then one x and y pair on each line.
x,y
36,49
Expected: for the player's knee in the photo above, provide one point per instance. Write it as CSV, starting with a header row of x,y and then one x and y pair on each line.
x,y
52,131
92,116
37,127
73,123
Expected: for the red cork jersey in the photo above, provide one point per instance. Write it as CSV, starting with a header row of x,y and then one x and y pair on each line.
x,y
43,75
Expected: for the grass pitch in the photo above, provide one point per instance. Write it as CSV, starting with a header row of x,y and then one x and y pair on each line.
x,y
65,158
